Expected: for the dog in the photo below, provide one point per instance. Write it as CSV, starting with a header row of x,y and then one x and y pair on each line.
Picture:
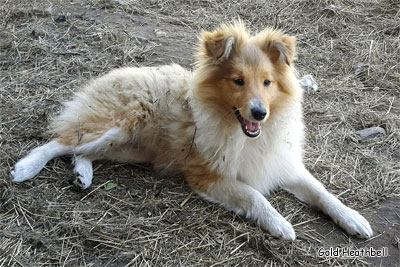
x,y
233,127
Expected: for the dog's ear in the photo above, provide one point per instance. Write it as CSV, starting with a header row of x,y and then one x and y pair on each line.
x,y
279,47
220,44
217,45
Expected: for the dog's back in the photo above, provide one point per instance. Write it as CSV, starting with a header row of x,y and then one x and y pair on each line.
x,y
128,98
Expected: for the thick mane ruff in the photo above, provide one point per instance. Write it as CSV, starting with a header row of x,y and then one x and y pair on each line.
x,y
219,138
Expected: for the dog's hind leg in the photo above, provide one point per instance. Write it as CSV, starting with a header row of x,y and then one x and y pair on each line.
x,y
33,163
27,167
102,145
84,171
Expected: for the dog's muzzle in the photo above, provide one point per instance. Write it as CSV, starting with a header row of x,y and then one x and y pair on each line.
x,y
250,128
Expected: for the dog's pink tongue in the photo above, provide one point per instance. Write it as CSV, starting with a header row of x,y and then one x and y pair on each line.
x,y
252,126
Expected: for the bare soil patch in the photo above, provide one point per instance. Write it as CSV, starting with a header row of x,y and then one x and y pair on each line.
x,y
50,48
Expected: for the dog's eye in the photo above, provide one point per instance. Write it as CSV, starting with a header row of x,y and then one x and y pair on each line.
x,y
239,82
267,82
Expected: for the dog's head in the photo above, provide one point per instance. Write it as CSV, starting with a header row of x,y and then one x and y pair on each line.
x,y
245,79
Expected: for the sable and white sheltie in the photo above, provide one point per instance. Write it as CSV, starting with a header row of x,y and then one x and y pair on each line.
x,y
233,127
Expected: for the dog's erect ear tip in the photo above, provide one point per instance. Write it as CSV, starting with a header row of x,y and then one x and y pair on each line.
x,y
229,42
281,48
285,49
218,45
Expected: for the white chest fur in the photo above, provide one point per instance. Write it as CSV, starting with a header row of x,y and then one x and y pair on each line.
x,y
263,162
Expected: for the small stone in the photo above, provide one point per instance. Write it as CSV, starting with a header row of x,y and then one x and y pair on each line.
x,y
160,33
36,33
396,154
106,4
49,10
369,133
61,18
366,153
308,83
333,7
361,68
6,39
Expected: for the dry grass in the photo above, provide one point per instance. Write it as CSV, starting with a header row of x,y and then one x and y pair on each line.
x,y
150,220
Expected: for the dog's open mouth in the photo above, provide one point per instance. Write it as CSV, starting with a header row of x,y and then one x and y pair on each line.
x,y
250,128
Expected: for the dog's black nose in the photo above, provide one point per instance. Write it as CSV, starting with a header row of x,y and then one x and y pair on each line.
x,y
258,113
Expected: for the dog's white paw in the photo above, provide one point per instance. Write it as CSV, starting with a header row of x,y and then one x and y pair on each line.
x,y
82,182
26,169
279,227
84,170
354,223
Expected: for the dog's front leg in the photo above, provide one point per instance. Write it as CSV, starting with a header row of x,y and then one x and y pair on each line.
x,y
241,198
305,187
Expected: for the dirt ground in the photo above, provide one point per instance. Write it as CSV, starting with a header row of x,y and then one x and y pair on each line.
x,y
131,217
